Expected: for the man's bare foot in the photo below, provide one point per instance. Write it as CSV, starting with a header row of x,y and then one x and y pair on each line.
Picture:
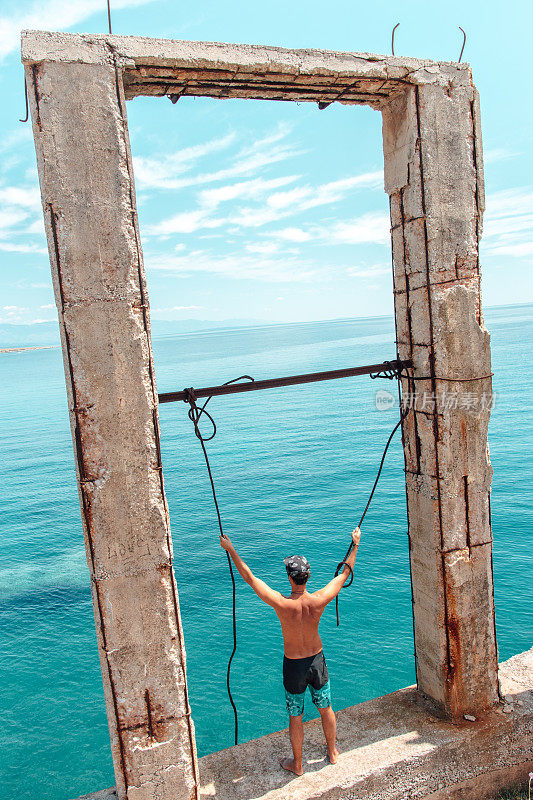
x,y
290,765
333,757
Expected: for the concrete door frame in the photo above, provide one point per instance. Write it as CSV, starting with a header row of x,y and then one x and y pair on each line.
x,y
77,87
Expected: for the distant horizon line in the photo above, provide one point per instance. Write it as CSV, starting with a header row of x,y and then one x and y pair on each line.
x,y
259,320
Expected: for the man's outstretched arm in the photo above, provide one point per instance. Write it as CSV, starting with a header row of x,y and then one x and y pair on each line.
x,y
333,588
262,589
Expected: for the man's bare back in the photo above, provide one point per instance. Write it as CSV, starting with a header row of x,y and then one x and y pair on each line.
x,y
299,615
304,665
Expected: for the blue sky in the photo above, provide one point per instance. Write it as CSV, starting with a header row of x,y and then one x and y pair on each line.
x,y
275,211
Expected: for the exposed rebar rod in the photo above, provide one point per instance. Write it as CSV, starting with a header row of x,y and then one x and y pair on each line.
x,y
390,369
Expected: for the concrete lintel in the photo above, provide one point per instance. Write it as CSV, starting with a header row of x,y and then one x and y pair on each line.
x,y
391,748
133,52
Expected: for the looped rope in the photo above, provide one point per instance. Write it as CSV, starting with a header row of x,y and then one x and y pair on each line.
x,y
345,564
195,414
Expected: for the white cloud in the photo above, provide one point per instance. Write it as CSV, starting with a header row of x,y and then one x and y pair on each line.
x,y
173,309
293,235
509,201
278,205
17,136
170,172
368,272
307,197
508,223
25,284
52,15
211,198
9,219
256,217
241,181
24,315
282,200
264,265
19,196
517,250
235,266
304,198
165,172
498,154
37,226
15,247
263,248
186,222
372,227
16,205
13,313
266,151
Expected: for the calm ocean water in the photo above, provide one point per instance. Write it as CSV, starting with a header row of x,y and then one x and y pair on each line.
x,y
293,469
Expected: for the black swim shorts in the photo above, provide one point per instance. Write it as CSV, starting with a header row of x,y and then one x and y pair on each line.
x,y
298,674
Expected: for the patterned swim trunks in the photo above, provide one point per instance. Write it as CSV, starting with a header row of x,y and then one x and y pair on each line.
x,y
298,674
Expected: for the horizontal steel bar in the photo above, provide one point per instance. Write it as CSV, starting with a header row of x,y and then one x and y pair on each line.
x,y
292,380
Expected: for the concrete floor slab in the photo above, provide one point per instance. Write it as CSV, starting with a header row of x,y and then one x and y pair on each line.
x,y
392,748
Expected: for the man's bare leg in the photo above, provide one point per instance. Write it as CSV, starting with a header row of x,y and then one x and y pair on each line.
x,y
329,726
296,733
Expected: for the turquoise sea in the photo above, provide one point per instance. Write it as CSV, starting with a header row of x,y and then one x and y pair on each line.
x,y
293,469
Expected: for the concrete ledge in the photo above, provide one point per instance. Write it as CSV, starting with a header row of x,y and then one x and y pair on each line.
x,y
156,67
90,48
392,748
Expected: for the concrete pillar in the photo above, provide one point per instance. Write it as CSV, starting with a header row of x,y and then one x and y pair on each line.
x,y
433,175
84,163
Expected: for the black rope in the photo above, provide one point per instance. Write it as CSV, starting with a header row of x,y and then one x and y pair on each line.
x,y
442,378
344,563
411,377
195,414
391,371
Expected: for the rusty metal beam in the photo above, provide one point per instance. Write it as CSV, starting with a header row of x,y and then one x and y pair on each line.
x,y
292,380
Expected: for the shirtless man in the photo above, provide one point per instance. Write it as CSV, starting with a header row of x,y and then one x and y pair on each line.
x,y
304,663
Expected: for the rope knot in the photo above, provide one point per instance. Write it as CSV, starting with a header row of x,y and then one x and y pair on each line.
x,y
390,371
189,396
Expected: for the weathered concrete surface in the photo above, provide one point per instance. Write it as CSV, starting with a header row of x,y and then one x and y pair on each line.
x,y
211,69
77,88
433,174
391,749
89,208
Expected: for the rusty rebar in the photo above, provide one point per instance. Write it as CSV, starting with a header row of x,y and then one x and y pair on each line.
x,y
391,368
463,47
393,32
27,106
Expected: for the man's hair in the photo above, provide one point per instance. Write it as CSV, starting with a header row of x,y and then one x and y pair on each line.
x,y
300,579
